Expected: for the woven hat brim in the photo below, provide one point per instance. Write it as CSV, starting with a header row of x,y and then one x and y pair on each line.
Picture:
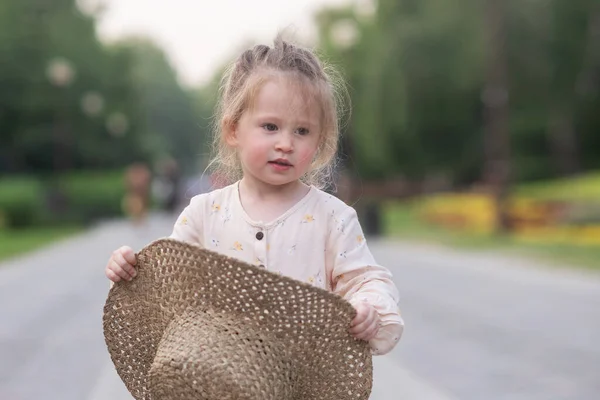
x,y
175,277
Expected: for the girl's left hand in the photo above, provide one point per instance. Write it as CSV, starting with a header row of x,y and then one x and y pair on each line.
x,y
366,323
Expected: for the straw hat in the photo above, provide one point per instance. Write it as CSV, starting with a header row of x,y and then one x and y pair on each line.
x,y
195,324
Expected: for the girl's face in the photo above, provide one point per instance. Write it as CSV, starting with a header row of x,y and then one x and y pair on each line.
x,y
276,140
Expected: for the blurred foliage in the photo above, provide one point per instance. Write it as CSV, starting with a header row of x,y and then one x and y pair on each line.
x,y
539,212
21,202
402,220
90,196
75,198
20,241
473,212
71,102
421,85
417,73
576,189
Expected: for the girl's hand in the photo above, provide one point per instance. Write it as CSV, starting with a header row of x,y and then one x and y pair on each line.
x,y
366,323
121,265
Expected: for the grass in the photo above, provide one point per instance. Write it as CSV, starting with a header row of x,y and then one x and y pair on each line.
x,y
585,188
401,221
19,241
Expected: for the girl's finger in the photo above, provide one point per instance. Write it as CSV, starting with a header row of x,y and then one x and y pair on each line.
x,y
357,321
121,262
361,328
119,271
362,312
112,276
361,335
368,333
370,320
128,254
372,332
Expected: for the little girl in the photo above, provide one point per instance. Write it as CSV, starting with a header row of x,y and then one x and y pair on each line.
x,y
276,138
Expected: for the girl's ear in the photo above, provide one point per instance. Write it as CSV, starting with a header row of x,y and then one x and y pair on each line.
x,y
229,131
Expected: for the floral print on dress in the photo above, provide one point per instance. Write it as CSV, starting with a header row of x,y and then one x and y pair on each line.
x,y
360,239
319,279
214,242
339,223
226,216
340,226
308,218
315,280
292,250
237,246
183,220
215,207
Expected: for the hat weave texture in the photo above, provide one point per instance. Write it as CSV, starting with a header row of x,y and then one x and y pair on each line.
x,y
197,325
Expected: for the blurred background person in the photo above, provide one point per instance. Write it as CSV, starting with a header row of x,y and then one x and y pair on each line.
x,y
137,198
166,186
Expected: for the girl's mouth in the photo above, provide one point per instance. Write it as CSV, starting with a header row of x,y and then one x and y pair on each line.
x,y
281,162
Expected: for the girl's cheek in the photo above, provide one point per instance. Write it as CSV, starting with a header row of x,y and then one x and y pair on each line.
x,y
307,156
259,152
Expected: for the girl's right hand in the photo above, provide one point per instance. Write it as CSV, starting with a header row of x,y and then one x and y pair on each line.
x,y
121,265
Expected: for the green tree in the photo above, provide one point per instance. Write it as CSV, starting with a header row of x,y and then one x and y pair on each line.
x,y
69,101
174,127
426,87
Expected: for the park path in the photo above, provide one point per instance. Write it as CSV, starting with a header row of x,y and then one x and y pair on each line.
x,y
478,326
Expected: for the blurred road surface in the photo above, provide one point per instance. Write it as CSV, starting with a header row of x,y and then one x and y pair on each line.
x,y
479,326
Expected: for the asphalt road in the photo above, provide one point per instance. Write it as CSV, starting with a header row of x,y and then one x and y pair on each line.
x,y
478,326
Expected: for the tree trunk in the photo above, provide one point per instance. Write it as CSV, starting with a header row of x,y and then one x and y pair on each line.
x,y
562,134
563,141
497,171
589,76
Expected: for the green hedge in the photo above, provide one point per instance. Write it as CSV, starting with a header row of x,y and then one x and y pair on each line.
x,y
74,198
92,195
21,202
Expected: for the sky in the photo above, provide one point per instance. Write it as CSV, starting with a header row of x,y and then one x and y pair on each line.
x,y
200,35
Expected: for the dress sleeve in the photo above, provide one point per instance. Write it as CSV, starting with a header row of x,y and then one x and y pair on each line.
x,y
356,276
189,225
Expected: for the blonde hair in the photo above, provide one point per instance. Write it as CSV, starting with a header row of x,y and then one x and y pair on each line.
x,y
243,80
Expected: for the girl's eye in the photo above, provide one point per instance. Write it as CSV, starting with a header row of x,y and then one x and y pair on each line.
x,y
302,131
270,127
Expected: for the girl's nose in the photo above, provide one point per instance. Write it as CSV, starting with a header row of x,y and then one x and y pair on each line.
x,y
285,142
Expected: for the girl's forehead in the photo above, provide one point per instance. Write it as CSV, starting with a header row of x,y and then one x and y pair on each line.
x,y
287,96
